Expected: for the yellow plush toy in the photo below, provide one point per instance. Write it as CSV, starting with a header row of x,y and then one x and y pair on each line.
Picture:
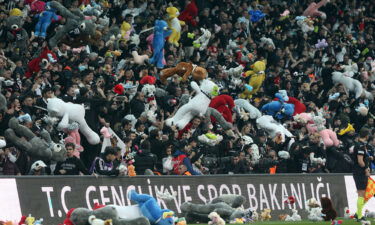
x,y
175,25
257,76
125,31
266,215
30,220
15,12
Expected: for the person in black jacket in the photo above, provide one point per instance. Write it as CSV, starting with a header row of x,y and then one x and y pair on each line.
x,y
137,105
72,165
105,165
144,159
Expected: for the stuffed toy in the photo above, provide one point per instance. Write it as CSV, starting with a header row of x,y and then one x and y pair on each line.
x,y
294,217
92,9
369,214
257,76
35,6
16,34
202,41
184,70
256,15
139,59
80,216
70,112
278,108
160,33
166,196
299,107
329,137
43,61
211,112
337,222
265,215
306,24
151,210
131,171
196,106
39,148
76,26
267,42
189,13
175,25
272,127
215,219
362,109
30,220
95,221
210,139
45,19
234,74
314,210
125,30
313,9
347,214
74,137
328,210
318,160
322,44
350,84
243,104
223,104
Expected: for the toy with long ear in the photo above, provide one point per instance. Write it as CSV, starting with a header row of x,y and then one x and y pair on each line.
x,y
219,118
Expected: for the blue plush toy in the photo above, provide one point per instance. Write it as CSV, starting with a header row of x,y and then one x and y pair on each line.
x,y
278,108
160,33
45,19
151,210
256,15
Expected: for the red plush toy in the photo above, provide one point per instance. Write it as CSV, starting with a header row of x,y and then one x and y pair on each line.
x,y
148,80
67,220
189,13
22,221
44,60
299,107
224,104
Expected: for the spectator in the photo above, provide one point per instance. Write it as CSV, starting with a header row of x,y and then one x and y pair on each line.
x,y
72,165
144,159
38,168
105,165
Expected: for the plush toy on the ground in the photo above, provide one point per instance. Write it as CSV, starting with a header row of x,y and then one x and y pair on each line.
x,y
278,108
151,210
184,70
294,217
196,106
328,211
202,41
314,210
76,26
215,219
313,9
257,76
227,206
189,13
175,25
16,34
265,215
224,104
272,127
70,112
243,104
329,136
45,19
160,33
43,61
38,148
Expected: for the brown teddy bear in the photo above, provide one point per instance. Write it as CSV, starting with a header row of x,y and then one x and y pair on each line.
x,y
327,209
184,70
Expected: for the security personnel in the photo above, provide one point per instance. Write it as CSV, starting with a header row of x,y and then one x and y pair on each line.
x,y
361,170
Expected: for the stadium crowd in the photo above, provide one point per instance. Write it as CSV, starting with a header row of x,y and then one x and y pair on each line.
x,y
293,64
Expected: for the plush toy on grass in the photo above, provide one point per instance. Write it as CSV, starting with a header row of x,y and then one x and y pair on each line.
x,y
175,25
215,219
294,217
329,212
160,33
265,215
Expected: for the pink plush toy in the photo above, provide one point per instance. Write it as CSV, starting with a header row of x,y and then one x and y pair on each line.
x,y
313,9
329,137
105,132
75,138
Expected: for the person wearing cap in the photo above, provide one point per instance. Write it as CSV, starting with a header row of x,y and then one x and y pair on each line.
x,y
38,168
72,165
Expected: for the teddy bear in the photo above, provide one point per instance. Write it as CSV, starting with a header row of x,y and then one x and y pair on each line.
x,y
80,216
313,9
184,70
328,211
224,104
314,210
174,24
203,40
45,19
299,107
95,221
243,104
74,137
16,34
76,26
189,13
329,137
321,44
350,84
272,127
43,61
70,112
160,33
278,108
215,219
196,106
294,217
257,76
39,148
265,215
125,30
151,209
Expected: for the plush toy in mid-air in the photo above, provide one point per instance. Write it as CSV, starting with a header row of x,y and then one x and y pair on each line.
x,y
16,34
313,9
256,15
45,19
35,6
257,76
160,33
329,136
203,40
74,137
351,84
45,59
184,70
175,25
190,13
70,112
243,104
299,107
278,108
196,106
272,127
224,104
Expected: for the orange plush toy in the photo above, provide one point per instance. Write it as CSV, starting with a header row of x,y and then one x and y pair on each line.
x,y
184,70
131,171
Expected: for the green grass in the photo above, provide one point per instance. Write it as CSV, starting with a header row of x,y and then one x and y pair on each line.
x,y
305,222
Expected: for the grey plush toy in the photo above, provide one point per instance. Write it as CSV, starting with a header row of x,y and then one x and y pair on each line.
x,y
39,148
75,29
222,205
16,34
80,216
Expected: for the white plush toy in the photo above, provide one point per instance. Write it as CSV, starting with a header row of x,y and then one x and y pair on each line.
x,y
283,155
317,160
69,113
139,59
305,24
272,127
202,41
315,214
166,196
351,84
210,139
267,41
149,91
235,75
294,217
3,143
196,106
95,221
245,104
215,219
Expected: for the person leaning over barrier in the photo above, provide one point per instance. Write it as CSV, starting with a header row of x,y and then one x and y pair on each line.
x,y
72,165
